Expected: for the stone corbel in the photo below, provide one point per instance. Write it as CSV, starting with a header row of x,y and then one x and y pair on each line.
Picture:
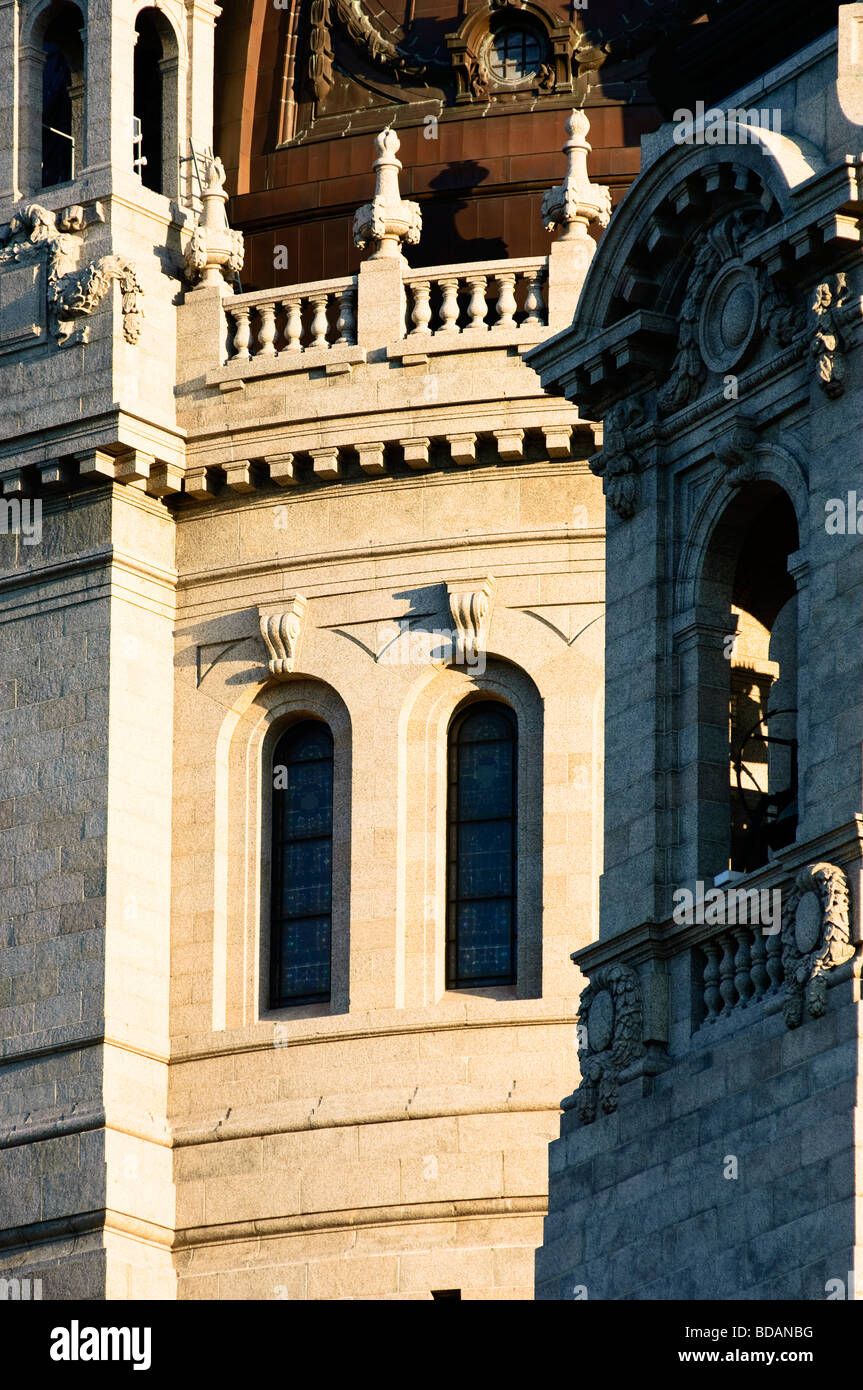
x,y
471,611
282,632
736,449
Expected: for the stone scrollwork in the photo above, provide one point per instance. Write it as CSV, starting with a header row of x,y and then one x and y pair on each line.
x,y
816,937
610,1033
37,235
736,451
282,633
827,342
471,611
618,465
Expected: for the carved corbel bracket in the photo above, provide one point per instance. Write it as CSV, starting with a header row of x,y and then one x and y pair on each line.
x,y
816,937
283,633
618,465
471,611
736,450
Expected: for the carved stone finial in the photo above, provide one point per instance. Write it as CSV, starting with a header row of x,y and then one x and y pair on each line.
x,y
215,249
282,633
388,219
471,611
574,204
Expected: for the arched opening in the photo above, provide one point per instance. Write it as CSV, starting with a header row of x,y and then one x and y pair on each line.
x,y
62,96
482,801
301,891
756,704
154,139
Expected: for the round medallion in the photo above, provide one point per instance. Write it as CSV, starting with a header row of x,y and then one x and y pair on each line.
x,y
600,1024
729,317
807,923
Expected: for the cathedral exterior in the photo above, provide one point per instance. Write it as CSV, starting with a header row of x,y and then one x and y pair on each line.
x,y
427,551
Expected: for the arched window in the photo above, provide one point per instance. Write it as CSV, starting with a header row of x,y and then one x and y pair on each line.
x,y
154,139
302,865
63,97
481,847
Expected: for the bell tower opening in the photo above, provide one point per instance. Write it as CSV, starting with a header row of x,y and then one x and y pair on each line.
x,y
63,97
762,712
155,133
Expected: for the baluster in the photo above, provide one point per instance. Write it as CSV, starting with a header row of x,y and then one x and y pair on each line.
x,y
774,961
506,305
294,326
267,331
477,309
742,975
758,968
533,301
726,975
319,321
347,322
712,997
421,312
449,306
242,335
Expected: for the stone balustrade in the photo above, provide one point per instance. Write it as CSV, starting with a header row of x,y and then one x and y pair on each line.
x,y
292,319
498,296
739,966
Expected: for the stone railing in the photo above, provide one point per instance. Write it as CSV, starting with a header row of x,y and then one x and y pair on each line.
x,y
739,966
497,296
292,319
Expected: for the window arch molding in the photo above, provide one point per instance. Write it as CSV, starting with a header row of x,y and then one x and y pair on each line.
x,y
243,840
436,700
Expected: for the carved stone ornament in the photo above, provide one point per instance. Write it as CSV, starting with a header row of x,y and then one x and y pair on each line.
x,y
214,249
827,343
375,46
36,236
736,449
388,219
471,611
610,1033
576,203
719,313
320,49
617,465
816,937
283,633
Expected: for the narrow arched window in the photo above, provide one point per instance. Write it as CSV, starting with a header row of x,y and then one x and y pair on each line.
x,y
302,865
481,847
155,122
62,97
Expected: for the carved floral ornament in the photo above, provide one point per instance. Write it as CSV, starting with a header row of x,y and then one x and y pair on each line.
x,y
610,1033
618,464
37,236
816,937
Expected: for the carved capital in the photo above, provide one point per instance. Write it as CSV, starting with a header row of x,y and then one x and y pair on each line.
x,y
283,633
610,1037
816,937
471,611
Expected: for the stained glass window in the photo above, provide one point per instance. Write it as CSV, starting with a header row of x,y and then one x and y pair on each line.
x,y
481,848
302,865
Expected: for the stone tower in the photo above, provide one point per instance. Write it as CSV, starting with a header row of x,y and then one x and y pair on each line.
x,y
709,1150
